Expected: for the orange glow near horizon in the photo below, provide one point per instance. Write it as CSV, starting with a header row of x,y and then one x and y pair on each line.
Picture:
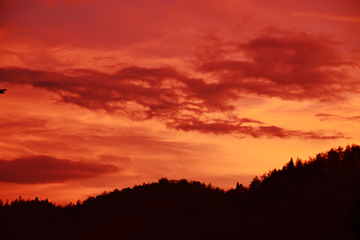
x,y
105,95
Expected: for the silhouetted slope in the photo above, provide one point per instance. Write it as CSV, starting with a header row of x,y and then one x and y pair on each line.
x,y
317,199
306,200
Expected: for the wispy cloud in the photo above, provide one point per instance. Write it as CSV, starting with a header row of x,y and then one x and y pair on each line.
x,y
226,127
331,117
328,17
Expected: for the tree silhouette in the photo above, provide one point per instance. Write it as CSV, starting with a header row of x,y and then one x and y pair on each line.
x,y
354,220
314,199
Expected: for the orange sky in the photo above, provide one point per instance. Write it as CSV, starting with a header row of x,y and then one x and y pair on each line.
x,y
109,94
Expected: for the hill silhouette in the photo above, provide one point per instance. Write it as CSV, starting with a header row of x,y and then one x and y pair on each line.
x,y
314,199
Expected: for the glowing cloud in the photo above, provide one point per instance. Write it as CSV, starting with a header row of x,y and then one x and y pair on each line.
x,y
182,105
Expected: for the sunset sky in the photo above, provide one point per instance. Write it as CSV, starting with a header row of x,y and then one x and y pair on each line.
x,y
109,94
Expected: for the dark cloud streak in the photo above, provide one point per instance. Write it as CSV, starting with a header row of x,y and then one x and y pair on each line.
x,y
46,169
227,127
330,117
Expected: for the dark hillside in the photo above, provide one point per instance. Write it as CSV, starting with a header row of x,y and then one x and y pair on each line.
x,y
309,200
317,199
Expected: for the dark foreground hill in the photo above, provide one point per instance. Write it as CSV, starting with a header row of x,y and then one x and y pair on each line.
x,y
317,199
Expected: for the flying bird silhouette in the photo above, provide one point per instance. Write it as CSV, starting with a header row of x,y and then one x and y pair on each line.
x,y
2,91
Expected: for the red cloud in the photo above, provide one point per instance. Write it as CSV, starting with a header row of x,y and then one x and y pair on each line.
x,y
45,169
146,87
164,93
288,65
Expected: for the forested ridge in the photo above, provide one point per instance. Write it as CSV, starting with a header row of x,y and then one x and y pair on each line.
x,y
314,199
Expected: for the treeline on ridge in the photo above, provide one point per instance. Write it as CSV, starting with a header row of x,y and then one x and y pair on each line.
x,y
314,199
